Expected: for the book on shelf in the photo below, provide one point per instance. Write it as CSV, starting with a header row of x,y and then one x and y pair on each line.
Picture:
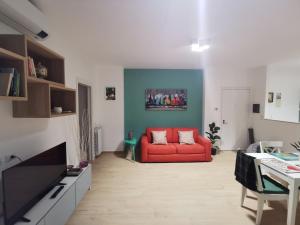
x,y
5,83
15,82
31,67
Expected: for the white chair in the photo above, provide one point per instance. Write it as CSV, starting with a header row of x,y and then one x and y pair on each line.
x,y
267,189
270,146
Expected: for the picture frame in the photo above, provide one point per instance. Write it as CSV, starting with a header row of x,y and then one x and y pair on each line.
x,y
278,99
166,99
270,97
110,93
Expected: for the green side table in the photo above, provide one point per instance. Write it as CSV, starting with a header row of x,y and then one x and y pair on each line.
x,y
131,143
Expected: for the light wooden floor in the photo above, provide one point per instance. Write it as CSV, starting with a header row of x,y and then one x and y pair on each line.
x,y
125,193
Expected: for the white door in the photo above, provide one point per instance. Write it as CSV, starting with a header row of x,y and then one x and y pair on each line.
x,y
235,118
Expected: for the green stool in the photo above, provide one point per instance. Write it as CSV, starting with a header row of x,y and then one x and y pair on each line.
x,y
132,143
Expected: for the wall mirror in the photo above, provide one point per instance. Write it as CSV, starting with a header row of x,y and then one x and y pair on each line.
x,y
282,100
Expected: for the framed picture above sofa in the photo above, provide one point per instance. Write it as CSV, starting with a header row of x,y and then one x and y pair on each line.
x,y
166,99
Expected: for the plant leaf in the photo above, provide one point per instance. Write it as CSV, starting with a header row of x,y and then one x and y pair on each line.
x,y
210,136
217,137
294,145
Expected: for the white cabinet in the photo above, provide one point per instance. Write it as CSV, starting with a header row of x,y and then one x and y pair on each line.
x,y
42,222
81,184
63,209
57,211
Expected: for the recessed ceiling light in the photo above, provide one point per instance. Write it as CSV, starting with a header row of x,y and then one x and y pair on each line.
x,y
197,47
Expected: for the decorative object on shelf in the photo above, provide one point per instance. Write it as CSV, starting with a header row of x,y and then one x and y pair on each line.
x,y
213,137
83,164
31,67
41,71
296,145
270,97
166,99
110,93
130,134
58,109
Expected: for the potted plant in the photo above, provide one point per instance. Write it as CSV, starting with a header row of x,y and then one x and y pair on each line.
x,y
296,145
213,137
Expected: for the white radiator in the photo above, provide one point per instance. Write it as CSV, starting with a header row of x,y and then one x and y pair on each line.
x,y
98,141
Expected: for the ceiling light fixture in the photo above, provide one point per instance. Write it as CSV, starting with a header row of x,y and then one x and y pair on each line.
x,y
197,47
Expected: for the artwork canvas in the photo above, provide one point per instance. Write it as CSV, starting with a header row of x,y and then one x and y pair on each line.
x,y
166,99
110,93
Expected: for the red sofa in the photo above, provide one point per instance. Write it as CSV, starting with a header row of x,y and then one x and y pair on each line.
x,y
173,151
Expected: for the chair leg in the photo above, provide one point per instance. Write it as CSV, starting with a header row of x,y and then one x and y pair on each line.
x,y
260,207
244,192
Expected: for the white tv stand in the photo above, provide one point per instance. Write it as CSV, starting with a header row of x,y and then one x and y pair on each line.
x,y
57,211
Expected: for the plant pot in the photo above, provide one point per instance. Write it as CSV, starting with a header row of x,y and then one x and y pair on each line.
x,y
213,151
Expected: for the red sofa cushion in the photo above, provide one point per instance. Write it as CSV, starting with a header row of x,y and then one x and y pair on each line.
x,y
190,149
176,136
169,133
161,149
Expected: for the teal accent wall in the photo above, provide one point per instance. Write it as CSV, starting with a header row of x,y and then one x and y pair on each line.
x,y
136,81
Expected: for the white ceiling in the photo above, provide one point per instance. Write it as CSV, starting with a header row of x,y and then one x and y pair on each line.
x,y
157,33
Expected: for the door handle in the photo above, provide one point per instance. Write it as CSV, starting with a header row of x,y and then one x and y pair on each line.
x,y
224,122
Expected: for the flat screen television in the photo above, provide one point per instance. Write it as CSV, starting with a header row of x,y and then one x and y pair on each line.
x,y
29,181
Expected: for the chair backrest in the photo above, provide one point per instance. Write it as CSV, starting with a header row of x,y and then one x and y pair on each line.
x,y
270,146
259,180
247,172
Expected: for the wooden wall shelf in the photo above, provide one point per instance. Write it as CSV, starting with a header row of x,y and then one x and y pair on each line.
x,y
42,81
40,95
6,54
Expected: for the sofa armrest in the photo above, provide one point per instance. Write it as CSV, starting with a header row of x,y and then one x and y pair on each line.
x,y
145,144
207,146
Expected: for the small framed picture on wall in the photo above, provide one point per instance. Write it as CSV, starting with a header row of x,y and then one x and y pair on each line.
x,y
270,97
110,93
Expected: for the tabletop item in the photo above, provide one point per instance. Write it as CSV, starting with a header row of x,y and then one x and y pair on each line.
x,y
286,156
280,165
296,168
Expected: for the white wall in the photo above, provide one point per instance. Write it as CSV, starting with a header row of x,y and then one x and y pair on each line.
x,y
270,129
110,115
283,78
26,137
215,79
255,79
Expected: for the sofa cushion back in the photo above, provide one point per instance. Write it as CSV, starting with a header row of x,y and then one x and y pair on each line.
x,y
176,135
169,133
